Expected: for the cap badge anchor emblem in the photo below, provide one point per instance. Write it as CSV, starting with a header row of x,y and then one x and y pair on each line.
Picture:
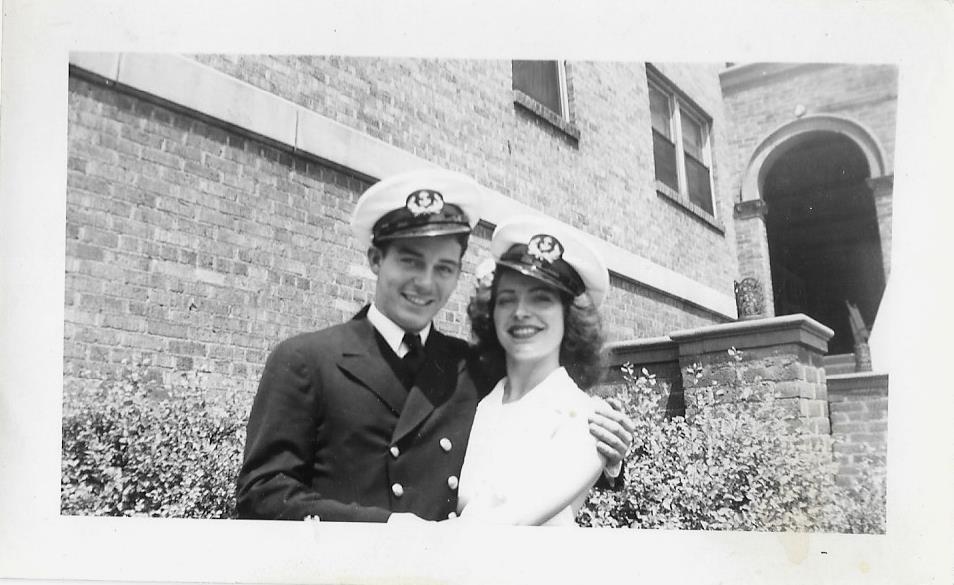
x,y
545,248
425,202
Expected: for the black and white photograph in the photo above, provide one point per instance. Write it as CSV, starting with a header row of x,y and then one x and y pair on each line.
x,y
352,312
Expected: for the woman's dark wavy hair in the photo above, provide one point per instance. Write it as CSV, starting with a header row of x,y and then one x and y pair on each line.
x,y
581,351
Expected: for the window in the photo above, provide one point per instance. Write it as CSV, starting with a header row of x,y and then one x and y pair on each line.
x,y
681,152
544,82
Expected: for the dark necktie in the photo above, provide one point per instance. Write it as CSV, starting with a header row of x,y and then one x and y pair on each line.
x,y
414,357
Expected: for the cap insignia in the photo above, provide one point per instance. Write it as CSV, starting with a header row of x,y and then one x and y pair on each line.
x,y
545,248
424,202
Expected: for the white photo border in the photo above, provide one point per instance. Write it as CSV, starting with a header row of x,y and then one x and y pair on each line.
x,y
37,543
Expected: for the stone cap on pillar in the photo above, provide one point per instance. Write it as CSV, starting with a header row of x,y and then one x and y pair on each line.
x,y
653,350
771,331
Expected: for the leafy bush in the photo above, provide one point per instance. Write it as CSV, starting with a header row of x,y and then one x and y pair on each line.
x,y
746,465
135,447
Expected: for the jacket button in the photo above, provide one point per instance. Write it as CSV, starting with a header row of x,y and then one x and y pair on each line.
x,y
452,515
452,482
398,490
395,451
446,445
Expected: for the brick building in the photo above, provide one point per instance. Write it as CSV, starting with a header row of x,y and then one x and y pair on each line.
x,y
208,196
812,149
812,158
208,202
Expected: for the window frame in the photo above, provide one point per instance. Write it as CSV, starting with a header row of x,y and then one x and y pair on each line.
x,y
681,105
562,92
562,120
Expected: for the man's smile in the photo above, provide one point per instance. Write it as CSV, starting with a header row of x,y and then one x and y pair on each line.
x,y
416,300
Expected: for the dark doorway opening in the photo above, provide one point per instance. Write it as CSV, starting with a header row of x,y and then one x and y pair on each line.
x,y
824,245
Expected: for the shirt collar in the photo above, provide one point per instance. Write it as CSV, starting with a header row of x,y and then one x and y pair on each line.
x,y
392,333
551,391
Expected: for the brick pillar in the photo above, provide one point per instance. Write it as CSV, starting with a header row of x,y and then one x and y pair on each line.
x,y
780,355
882,188
752,244
859,417
660,357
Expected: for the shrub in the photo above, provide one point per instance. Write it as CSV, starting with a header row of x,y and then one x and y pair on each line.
x,y
746,465
133,446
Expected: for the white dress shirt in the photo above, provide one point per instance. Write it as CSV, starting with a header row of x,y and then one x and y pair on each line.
x,y
392,333
516,448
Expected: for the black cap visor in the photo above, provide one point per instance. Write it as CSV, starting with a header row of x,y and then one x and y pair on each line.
x,y
424,231
559,274
401,223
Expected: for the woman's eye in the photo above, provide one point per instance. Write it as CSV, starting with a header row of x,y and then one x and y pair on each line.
x,y
543,298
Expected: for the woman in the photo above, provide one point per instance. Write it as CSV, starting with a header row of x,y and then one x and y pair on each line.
x,y
531,458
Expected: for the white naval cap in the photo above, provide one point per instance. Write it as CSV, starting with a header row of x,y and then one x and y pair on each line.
x,y
552,253
426,202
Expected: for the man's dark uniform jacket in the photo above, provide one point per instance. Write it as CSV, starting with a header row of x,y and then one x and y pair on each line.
x,y
335,433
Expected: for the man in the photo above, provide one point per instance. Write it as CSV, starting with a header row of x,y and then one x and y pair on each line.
x,y
369,420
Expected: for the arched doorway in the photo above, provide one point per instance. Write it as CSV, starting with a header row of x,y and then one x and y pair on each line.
x,y
822,229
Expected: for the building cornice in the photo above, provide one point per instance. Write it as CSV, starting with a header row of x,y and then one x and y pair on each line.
x,y
742,77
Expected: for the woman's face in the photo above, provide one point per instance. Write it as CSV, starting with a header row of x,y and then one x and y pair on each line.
x,y
528,318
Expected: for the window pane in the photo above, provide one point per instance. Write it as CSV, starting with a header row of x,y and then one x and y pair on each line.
x,y
660,112
664,158
697,177
693,140
541,81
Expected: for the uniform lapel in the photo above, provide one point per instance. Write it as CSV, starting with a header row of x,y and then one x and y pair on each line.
x,y
435,382
361,358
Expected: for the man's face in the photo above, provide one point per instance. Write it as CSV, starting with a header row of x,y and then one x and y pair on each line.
x,y
416,276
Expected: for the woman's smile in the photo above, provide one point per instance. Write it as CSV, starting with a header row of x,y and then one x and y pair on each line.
x,y
523,332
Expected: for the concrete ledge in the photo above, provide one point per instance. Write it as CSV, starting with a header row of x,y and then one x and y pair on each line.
x,y
181,81
675,198
544,113
654,350
742,77
772,331
102,64
335,142
857,384
194,86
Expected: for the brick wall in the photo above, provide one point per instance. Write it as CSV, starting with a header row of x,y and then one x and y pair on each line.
x,y
781,357
762,98
460,114
859,420
753,250
793,375
199,248
865,93
192,245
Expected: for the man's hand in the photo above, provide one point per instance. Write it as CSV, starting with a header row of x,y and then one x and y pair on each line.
x,y
613,431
